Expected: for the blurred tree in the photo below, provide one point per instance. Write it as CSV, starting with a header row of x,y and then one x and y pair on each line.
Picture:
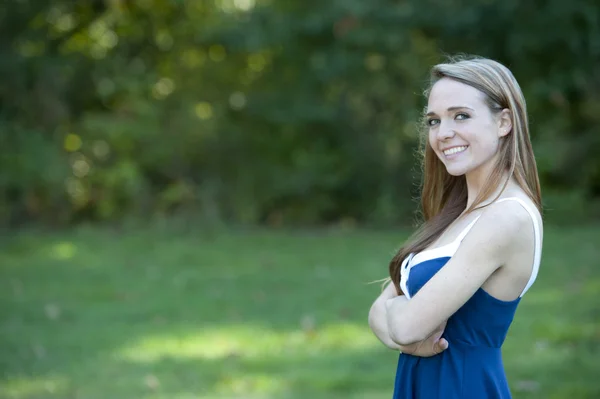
x,y
269,111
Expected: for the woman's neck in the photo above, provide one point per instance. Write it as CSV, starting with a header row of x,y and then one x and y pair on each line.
x,y
475,185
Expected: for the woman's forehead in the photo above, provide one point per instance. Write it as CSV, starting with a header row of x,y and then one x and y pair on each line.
x,y
447,93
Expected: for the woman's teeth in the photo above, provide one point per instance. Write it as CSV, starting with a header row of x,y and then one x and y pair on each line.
x,y
455,150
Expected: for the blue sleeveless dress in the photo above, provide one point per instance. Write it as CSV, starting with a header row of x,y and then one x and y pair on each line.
x,y
471,367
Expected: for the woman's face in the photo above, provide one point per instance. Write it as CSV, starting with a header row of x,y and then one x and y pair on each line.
x,y
463,132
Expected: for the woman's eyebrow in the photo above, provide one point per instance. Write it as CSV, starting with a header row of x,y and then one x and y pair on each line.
x,y
452,109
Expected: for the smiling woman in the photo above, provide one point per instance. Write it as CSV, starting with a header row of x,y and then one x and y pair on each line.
x,y
457,282
465,136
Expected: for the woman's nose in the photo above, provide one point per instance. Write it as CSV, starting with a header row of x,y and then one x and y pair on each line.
x,y
445,131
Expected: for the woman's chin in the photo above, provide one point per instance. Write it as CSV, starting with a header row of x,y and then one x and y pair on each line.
x,y
454,171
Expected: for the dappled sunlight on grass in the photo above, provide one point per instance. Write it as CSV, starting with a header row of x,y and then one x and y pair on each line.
x,y
63,250
591,287
248,342
564,331
22,387
261,315
250,383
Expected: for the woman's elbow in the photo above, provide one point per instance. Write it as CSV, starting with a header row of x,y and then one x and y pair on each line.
x,y
405,333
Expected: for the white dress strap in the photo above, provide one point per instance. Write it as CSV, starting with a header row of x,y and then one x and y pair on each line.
x,y
465,231
538,242
404,275
449,249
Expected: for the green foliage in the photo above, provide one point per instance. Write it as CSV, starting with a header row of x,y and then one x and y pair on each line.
x,y
251,111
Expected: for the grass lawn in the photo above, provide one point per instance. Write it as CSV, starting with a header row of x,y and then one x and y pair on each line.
x,y
151,313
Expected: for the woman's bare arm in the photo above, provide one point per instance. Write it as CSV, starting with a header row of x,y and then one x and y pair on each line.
x,y
499,230
378,321
378,317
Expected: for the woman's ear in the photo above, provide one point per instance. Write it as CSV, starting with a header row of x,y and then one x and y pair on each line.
x,y
504,122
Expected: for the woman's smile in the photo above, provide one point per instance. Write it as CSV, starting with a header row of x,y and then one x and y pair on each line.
x,y
454,152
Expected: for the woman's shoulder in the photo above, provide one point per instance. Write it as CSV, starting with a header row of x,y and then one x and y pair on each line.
x,y
504,233
513,218
519,207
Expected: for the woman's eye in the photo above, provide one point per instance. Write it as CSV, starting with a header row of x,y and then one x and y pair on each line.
x,y
432,122
462,116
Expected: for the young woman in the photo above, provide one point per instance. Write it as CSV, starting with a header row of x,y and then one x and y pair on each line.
x,y
457,282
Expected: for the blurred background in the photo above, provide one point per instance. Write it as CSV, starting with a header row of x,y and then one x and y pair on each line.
x,y
196,195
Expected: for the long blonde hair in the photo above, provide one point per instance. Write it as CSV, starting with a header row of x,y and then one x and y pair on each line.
x,y
443,196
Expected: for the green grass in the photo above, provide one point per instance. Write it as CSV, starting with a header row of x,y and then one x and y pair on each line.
x,y
94,313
